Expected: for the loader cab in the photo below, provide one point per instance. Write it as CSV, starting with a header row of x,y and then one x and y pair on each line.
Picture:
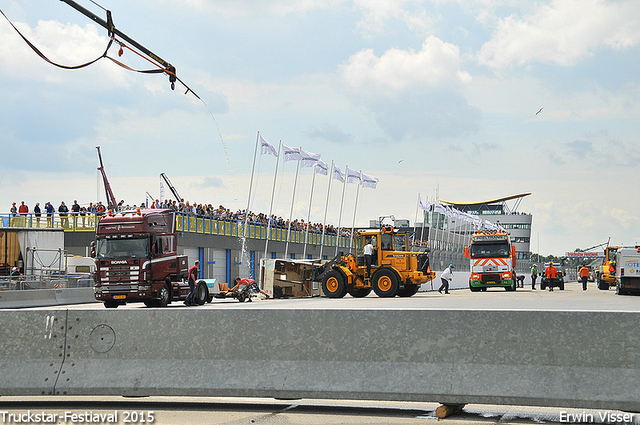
x,y
362,239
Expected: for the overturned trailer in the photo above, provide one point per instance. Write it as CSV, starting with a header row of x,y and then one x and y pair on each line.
x,y
290,278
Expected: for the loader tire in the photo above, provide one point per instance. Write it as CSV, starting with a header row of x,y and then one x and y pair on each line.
x,y
333,285
385,284
407,291
358,293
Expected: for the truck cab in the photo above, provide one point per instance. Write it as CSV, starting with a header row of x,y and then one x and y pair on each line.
x,y
492,261
137,261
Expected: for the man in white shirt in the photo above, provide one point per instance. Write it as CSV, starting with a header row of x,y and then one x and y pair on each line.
x,y
446,277
368,256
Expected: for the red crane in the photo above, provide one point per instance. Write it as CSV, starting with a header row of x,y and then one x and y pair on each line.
x,y
111,199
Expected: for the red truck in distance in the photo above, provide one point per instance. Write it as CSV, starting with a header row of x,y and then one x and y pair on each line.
x,y
136,260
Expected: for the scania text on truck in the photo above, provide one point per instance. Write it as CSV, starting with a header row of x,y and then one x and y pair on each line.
x,y
493,261
394,270
137,261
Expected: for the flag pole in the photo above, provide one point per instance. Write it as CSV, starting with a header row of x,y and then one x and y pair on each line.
x,y
306,234
344,185
355,208
246,212
293,197
326,206
273,190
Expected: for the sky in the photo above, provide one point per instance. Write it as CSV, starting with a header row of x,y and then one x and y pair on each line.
x,y
436,99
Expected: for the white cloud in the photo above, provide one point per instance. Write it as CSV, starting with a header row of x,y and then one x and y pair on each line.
x,y
68,45
562,32
437,64
252,7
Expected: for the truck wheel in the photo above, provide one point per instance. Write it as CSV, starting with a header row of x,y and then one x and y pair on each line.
x,y
408,291
110,304
202,292
358,293
385,284
333,285
164,296
473,288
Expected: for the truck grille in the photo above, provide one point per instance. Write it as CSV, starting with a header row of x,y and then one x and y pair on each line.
x,y
120,274
486,278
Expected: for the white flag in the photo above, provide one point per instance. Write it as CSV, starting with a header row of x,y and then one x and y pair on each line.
x,y
337,174
161,191
322,167
353,176
425,206
291,154
308,159
489,225
439,209
267,148
369,181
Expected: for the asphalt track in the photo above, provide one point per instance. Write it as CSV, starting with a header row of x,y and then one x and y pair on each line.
x,y
573,298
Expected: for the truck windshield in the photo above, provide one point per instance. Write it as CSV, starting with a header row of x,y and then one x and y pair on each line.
x,y
490,250
119,249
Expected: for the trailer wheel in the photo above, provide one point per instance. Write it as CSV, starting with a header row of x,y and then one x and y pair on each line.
x,y
409,290
164,296
358,293
202,292
385,284
333,285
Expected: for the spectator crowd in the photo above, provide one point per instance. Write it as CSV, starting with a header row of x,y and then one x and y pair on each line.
x,y
192,209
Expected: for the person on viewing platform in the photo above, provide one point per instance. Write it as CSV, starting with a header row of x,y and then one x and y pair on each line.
x,y
23,209
50,210
445,278
38,213
63,210
75,208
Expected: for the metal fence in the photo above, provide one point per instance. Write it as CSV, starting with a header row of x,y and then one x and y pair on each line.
x,y
40,281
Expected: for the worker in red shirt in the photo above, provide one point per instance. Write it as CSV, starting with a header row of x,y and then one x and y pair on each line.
x,y
551,274
23,209
243,283
193,275
584,275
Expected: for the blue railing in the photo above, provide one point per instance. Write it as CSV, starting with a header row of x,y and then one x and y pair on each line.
x,y
188,223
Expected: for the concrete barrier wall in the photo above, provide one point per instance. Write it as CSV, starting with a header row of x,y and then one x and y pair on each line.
x,y
45,297
545,358
32,346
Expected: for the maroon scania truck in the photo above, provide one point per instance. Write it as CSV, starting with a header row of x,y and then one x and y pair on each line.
x,y
136,260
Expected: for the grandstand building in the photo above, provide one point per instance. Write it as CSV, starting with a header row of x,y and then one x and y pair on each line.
x,y
448,234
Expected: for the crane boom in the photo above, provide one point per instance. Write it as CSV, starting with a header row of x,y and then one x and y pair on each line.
x,y
111,199
108,24
173,189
